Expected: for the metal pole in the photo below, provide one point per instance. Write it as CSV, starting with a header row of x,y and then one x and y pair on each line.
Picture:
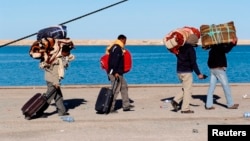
x,y
66,22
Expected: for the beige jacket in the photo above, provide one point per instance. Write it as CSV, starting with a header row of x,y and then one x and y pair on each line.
x,y
55,71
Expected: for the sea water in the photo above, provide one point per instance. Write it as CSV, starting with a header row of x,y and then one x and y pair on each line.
x,y
151,65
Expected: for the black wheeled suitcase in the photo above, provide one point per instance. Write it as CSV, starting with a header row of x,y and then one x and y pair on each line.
x,y
34,104
105,99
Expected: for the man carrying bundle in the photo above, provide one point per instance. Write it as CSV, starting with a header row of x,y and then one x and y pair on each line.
x,y
186,64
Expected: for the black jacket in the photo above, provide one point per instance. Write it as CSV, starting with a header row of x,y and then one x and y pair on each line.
x,y
217,55
116,60
186,60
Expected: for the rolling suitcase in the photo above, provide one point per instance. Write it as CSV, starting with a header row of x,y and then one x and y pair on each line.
x,y
105,99
34,104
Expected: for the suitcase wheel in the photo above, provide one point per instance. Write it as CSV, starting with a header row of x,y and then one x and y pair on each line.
x,y
27,117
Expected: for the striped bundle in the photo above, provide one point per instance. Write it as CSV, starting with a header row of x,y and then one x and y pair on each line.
x,y
217,34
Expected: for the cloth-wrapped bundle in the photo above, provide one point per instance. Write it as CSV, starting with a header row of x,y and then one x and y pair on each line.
x,y
177,38
217,34
47,49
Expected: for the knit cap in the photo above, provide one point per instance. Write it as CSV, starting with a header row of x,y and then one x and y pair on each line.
x,y
192,39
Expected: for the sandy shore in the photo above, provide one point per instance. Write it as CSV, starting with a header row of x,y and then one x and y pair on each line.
x,y
148,122
107,42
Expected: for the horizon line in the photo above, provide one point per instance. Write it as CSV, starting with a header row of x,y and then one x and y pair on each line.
x,y
108,41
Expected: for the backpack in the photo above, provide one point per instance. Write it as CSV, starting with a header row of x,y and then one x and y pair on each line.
x,y
127,61
56,32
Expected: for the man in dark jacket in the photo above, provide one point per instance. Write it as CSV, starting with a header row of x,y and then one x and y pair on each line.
x,y
217,62
116,72
186,64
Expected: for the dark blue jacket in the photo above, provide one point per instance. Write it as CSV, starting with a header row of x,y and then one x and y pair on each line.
x,y
217,55
186,60
116,60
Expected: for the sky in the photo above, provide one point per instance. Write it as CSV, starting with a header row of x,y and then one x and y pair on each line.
x,y
137,19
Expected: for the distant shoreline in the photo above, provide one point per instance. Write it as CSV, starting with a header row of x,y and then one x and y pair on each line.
x,y
107,42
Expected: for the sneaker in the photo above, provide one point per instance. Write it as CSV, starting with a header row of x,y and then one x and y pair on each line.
x,y
235,106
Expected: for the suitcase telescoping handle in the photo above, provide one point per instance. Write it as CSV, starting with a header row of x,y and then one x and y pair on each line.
x,y
115,84
47,96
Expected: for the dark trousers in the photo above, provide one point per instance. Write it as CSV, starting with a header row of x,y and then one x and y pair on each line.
x,y
57,96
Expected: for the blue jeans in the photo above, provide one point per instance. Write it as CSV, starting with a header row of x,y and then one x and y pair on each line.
x,y
220,74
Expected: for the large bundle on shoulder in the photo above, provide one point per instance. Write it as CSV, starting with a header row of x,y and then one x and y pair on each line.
x,y
177,38
217,34
49,45
48,49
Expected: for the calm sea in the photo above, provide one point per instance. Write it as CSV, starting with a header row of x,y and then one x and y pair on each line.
x,y
151,65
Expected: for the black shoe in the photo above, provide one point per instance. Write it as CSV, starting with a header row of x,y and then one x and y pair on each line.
x,y
175,105
126,110
64,114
